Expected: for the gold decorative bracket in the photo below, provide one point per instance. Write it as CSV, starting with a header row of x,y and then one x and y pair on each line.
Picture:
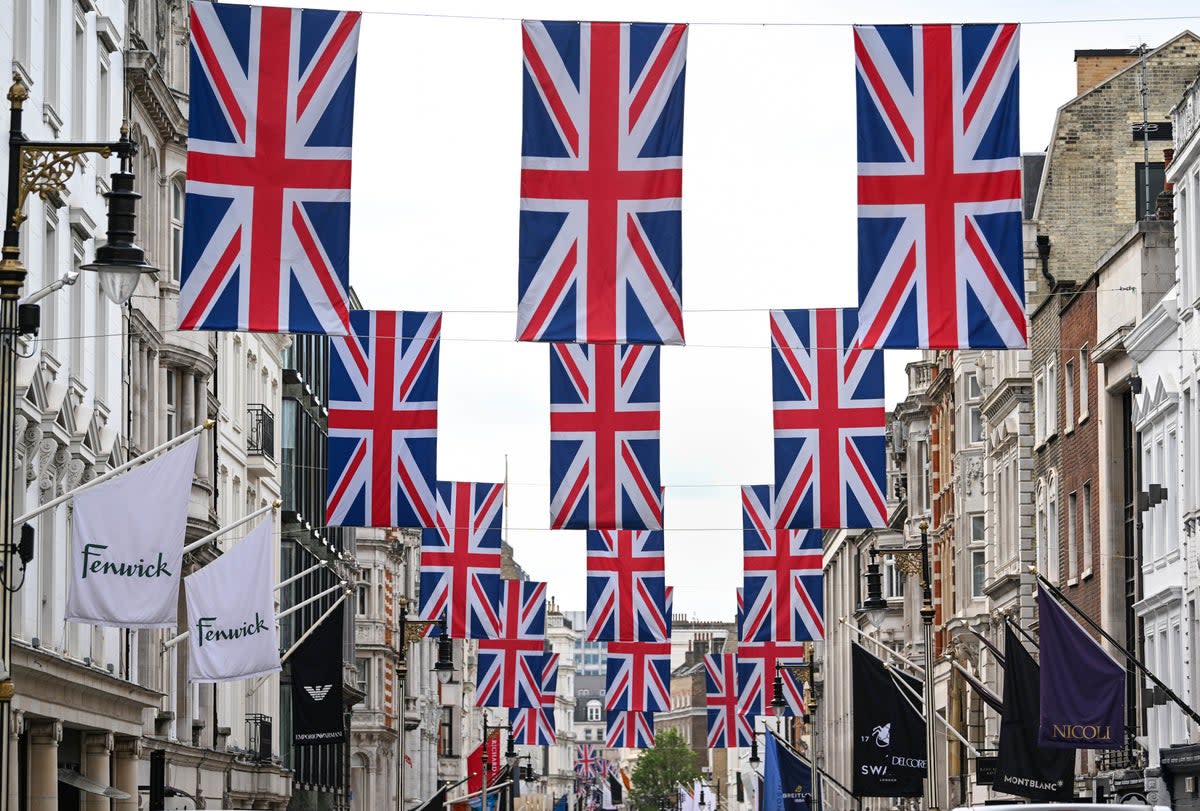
x,y
45,170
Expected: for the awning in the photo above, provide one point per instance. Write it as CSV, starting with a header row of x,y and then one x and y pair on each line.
x,y
74,778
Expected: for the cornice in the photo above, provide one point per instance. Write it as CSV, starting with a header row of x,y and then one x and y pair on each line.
x,y
146,85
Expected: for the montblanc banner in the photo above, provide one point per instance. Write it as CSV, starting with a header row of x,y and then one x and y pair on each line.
x,y
1083,688
317,712
787,780
889,734
1024,768
127,544
231,612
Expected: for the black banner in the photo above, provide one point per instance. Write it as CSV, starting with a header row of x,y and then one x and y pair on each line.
x,y
1022,767
317,711
889,734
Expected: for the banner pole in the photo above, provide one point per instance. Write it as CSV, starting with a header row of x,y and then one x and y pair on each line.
x,y
196,544
295,577
263,679
919,670
175,640
1191,713
912,692
108,474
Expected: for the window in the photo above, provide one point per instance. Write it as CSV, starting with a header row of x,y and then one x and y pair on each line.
x,y
893,578
363,666
973,391
446,734
177,198
1039,408
1052,536
1171,482
362,596
50,272
1051,400
52,56
1083,383
978,529
978,572
102,109
973,394
1087,530
172,403
1072,548
1145,208
21,33
78,80
922,471
593,710
1069,394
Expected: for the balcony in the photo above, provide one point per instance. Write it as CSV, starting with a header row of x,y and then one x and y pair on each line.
x,y
260,439
258,736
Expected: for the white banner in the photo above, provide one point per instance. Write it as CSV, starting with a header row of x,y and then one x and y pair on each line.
x,y
231,612
127,539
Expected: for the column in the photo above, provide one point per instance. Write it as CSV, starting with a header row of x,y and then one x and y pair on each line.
x,y
97,751
126,754
203,466
44,737
16,727
186,408
135,388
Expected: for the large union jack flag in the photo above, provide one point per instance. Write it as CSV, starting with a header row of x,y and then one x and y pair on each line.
x,y
728,720
535,726
604,420
756,671
939,187
638,676
782,571
510,660
266,238
383,389
626,584
830,465
460,559
587,761
601,183
629,730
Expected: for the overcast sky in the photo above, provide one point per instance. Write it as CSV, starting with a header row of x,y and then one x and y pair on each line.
x,y
769,207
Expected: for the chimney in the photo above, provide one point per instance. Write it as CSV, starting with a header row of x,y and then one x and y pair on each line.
x,y
1093,67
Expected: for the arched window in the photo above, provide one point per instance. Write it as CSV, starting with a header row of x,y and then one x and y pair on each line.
x,y
593,710
177,198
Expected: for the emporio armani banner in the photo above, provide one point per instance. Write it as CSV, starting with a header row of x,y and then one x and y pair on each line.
x,y
1024,768
124,572
889,734
317,685
1083,688
231,612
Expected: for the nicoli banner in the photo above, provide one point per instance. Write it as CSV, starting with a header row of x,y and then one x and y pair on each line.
x,y
231,612
127,544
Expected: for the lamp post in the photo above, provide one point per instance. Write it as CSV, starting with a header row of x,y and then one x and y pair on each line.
x,y
43,168
927,614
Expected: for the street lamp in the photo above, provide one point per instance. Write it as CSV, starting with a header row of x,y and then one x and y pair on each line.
x,y
875,605
43,168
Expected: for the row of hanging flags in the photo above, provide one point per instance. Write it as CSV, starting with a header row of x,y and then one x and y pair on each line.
x,y
599,268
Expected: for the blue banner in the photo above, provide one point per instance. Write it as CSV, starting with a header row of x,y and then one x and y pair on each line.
x,y
787,780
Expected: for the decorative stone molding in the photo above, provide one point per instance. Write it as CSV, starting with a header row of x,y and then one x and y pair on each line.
x,y
16,724
98,743
130,748
45,733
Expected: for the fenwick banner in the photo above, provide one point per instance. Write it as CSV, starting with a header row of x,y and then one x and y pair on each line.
x,y
317,685
889,734
231,612
1024,768
127,544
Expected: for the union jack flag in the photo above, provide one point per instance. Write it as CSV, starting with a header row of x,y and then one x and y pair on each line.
x,y
601,183
728,721
383,389
604,470
829,423
510,660
741,613
638,676
587,761
940,261
756,670
460,560
629,730
535,726
266,236
626,586
782,571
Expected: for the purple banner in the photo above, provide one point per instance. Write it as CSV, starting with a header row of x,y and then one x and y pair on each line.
x,y
1083,688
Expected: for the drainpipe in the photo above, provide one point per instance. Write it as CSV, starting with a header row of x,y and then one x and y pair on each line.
x,y
1043,249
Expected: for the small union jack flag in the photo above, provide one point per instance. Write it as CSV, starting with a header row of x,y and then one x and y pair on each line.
x,y
940,261
741,613
669,601
829,423
266,236
638,676
728,721
535,726
601,183
383,389
625,586
604,468
756,670
587,761
629,729
782,572
460,559
510,660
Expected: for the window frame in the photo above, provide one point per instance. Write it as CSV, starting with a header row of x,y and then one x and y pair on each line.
x,y
1072,538
1069,395
1084,381
1087,548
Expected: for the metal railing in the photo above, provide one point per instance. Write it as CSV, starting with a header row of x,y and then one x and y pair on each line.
x,y
258,735
260,433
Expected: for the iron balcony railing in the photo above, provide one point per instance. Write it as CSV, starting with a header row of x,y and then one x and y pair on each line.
x,y
260,437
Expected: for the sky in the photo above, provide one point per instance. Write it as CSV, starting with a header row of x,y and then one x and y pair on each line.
x,y
768,222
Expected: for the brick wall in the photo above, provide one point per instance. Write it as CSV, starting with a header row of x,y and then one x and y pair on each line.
x,y
1080,448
